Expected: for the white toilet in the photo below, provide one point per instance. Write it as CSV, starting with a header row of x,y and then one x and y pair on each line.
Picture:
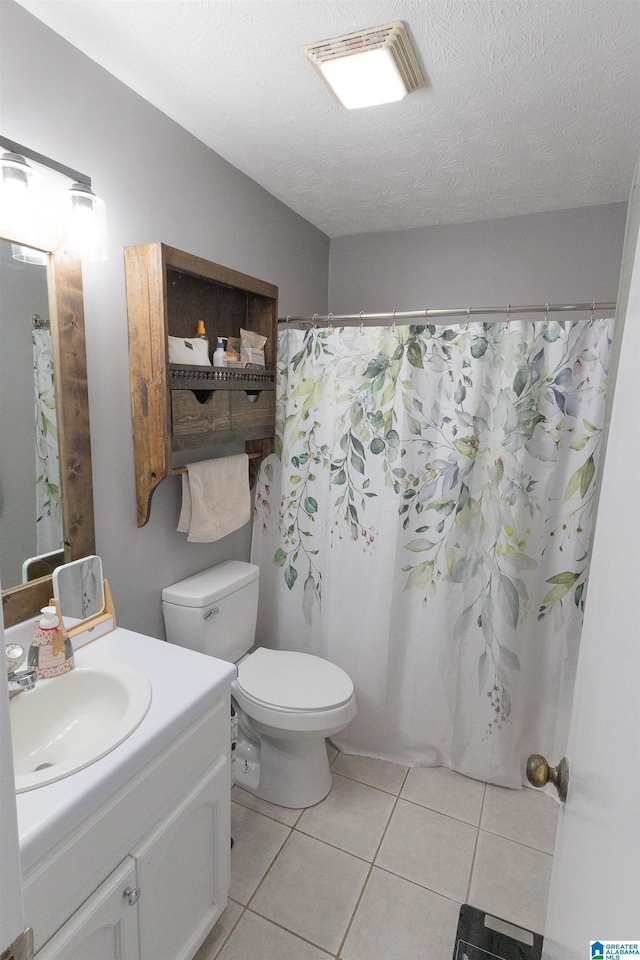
x,y
287,703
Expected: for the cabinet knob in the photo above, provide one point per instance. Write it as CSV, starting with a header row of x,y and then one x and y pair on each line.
x,y
132,895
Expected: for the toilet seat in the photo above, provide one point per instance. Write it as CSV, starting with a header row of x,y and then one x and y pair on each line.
x,y
283,680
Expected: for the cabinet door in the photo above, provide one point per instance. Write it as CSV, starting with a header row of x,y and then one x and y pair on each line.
x,y
183,870
105,927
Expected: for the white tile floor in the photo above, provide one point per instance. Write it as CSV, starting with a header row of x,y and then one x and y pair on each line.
x,y
378,870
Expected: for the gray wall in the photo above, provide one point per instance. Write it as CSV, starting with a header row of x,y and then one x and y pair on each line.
x,y
564,256
158,183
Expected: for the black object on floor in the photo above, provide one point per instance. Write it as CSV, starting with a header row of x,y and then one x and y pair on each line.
x,y
481,936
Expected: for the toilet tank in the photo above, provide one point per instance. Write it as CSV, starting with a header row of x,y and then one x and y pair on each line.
x,y
214,612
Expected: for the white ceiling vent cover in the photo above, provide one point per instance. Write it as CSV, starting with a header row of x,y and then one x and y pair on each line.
x,y
379,51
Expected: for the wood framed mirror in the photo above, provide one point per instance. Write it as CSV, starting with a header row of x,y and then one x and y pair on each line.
x,y
66,312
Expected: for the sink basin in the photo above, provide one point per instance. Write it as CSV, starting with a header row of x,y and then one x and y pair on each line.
x,y
69,722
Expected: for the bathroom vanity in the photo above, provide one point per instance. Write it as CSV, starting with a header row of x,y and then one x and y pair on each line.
x,y
128,858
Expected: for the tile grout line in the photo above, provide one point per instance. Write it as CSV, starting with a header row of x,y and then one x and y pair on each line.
x,y
269,868
370,871
423,806
365,783
333,846
475,846
387,793
415,803
421,886
233,927
269,816
291,933
520,843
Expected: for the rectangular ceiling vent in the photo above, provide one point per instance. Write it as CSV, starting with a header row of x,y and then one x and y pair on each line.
x,y
392,38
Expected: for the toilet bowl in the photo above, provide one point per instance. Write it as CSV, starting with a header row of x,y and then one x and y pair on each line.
x,y
287,702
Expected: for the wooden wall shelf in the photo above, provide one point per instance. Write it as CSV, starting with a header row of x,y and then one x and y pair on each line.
x,y
220,378
178,408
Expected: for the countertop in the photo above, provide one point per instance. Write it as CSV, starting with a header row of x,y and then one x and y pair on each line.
x,y
184,684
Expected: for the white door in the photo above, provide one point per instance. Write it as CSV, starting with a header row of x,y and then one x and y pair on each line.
x,y
595,886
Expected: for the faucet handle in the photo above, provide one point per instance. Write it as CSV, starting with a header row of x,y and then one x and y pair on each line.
x,y
15,656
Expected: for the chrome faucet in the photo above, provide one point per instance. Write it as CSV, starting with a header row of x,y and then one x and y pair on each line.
x,y
17,679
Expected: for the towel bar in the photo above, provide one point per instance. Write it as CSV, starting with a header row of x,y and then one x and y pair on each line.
x,y
176,470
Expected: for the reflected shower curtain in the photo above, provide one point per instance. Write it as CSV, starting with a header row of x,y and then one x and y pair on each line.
x,y
425,524
48,504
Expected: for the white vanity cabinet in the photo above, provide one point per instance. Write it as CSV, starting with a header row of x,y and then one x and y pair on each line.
x,y
141,871
106,927
161,902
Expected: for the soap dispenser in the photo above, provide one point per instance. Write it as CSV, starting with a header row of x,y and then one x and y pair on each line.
x,y
219,355
51,651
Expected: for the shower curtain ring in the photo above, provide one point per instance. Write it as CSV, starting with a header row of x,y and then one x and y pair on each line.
x,y
593,307
360,328
508,316
466,326
330,319
315,319
546,314
394,322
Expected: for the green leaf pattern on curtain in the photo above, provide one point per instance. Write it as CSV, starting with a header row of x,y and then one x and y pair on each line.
x,y
48,500
486,441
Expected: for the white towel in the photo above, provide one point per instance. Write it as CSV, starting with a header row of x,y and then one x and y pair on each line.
x,y
215,498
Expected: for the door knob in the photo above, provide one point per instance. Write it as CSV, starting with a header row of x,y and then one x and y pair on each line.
x,y
132,895
539,774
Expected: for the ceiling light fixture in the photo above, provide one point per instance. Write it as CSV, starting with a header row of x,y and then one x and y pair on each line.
x,y
368,67
82,214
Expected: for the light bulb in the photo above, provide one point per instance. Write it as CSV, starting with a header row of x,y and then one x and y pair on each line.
x,y
85,232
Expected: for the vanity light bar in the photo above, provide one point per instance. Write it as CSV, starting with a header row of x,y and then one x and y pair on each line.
x,y
12,147
82,215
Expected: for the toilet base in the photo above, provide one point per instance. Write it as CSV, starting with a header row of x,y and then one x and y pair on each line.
x,y
290,773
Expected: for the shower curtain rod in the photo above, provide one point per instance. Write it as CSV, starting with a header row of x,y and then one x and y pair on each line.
x,y
411,316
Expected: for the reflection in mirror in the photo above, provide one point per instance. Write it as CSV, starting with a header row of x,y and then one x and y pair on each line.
x,y
30,501
78,587
42,565
64,308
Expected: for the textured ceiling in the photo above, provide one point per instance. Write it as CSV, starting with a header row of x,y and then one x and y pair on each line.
x,y
530,105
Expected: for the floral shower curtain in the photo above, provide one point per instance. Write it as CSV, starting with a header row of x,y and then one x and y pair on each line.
x,y
48,504
425,524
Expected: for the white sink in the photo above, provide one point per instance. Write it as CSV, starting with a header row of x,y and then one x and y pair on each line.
x,y
69,722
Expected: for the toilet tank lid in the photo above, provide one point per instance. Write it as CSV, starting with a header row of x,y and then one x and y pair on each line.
x,y
211,585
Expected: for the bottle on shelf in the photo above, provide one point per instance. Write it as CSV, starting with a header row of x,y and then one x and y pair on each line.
x,y
201,334
219,355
